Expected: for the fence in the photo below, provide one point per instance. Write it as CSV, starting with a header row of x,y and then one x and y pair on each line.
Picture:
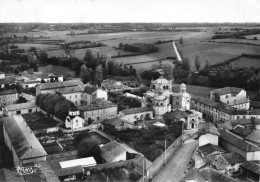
x,y
160,161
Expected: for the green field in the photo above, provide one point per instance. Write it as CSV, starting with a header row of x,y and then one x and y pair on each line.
x,y
27,46
236,41
246,62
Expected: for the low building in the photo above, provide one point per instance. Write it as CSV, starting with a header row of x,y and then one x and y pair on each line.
x,y
29,84
136,114
98,110
236,144
20,139
251,170
8,97
73,93
24,108
189,118
210,149
113,152
73,120
91,94
208,134
114,86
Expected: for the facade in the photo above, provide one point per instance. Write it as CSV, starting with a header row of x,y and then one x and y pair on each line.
x,y
20,139
91,93
8,97
135,114
208,134
23,108
162,99
73,120
98,110
74,94
231,96
29,84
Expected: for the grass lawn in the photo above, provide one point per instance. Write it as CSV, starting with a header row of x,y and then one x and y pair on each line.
x,y
246,62
150,142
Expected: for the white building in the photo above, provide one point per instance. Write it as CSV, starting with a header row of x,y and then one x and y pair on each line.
x,y
135,114
73,120
208,134
20,139
91,93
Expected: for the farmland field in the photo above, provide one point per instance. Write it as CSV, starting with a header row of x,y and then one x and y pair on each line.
x,y
243,41
246,62
37,46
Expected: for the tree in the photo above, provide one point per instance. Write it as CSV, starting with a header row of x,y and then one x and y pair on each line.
x,y
88,148
84,74
181,40
207,65
168,70
21,100
99,74
197,62
185,64
139,79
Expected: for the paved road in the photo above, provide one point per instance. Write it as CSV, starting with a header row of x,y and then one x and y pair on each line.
x,y
177,164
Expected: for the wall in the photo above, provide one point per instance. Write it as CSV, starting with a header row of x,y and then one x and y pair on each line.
x,y
253,156
208,138
76,122
229,147
121,157
23,111
136,116
100,114
159,162
74,97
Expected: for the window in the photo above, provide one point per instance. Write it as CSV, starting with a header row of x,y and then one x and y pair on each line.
x,y
97,118
76,103
237,117
18,112
75,96
177,103
244,117
70,97
30,110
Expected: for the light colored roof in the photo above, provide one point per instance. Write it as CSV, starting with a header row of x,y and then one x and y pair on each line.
x,y
227,90
111,150
88,161
136,110
22,138
159,124
53,85
208,127
159,97
254,136
98,104
21,106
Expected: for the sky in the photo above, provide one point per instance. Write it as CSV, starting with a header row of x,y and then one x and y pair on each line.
x,y
117,11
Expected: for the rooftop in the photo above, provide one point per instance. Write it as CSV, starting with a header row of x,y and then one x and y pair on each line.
x,y
206,101
53,85
210,149
98,104
22,138
88,161
208,127
136,110
90,89
252,166
227,90
238,141
210,174
177,114
241,131
7,80
254,136
111,150
72,89
193,174
21,106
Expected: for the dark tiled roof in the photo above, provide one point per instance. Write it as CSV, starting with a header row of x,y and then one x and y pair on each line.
x,y
73,89
136,110
208,127
232,158
7,175
177,114
221,161
210,149
90,90
252,166
235,111
111,150
242,131
7,80
8,92
254,136
212,175
194,174
237,141
227,90
98,104
23,140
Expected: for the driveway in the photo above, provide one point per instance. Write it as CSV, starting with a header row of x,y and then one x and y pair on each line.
x,y
177,164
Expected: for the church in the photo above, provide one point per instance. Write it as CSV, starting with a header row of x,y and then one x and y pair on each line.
x,y
163,100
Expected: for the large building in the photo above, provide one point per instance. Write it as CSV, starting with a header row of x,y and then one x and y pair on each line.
x,y
8,97
20,139
162,99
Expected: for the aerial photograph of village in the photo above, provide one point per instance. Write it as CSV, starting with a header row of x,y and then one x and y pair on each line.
x,y
129,90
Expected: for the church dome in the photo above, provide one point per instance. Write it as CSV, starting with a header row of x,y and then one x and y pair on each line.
x,y
161,80
159,97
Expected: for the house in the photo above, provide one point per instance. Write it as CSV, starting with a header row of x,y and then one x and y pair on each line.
x,y
189,118
73,93
231,96
113,152
135,114
53,87
254,137
98,110
8,97
20,139
226,163
73,120
251,170
208,133
241,131
236,144
47,77
210,149
29,84
91,93
23,108
5,81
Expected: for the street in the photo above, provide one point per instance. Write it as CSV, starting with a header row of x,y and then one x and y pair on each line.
x,y
177,164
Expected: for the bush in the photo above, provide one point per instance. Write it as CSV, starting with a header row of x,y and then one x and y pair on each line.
x,y
134,176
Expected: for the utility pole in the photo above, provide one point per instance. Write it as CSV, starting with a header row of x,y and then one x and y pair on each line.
x,y
165,152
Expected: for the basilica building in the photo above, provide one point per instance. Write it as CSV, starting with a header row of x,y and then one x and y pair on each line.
x,y
162,99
